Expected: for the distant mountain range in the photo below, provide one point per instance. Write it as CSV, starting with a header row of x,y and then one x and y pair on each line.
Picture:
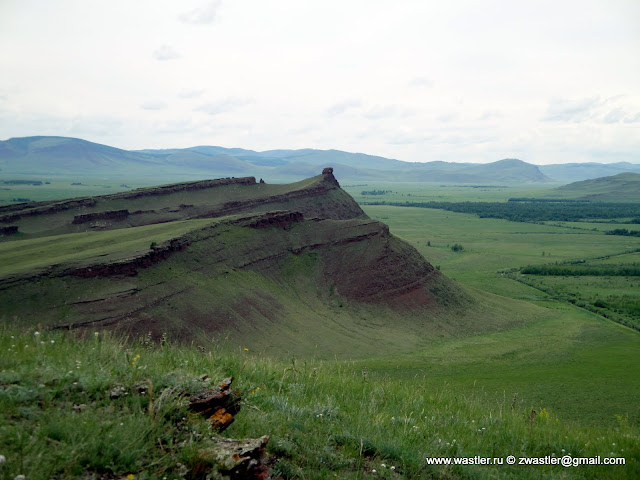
x,y
44,156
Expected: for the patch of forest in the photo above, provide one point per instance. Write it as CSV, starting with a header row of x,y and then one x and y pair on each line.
x,y
519,210
581,269
624,232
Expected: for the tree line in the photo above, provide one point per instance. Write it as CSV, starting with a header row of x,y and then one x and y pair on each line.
x,y
607,270
524,211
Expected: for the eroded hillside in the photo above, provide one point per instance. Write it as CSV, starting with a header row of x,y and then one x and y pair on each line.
x,y
295,267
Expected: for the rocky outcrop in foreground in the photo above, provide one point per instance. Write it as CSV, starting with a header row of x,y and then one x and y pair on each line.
x,y
231,458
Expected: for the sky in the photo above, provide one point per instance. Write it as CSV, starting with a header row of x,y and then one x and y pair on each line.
x,y
460,81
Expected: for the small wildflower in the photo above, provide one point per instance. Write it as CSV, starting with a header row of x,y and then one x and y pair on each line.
x,y
383,465
613,444
246,349
2,459
96,334
392,467
131,476
134,360
373,471
36,333
19,477
53,341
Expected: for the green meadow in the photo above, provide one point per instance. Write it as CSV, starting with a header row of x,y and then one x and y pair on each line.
x,y
575,362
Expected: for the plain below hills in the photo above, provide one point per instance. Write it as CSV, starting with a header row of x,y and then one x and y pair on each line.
x,y
62,156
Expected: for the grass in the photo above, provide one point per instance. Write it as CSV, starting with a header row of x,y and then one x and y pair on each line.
x,y
325,419
20,256
560,362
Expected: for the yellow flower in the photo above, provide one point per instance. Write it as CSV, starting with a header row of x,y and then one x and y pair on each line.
x,y
246,349
131,476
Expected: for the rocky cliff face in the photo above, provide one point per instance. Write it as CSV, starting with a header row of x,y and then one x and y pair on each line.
x,y
320,197
270,256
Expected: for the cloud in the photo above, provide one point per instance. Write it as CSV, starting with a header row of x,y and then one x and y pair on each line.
x,y
342,107
619,114
95,125
165,52
303,130
490,114
447,117
421,82
175,126
381,111
201,16
222,106
571,110
404,140
634,119
191,93
610,111
614,116
153,106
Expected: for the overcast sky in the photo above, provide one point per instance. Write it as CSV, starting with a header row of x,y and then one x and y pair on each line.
x,y
465,81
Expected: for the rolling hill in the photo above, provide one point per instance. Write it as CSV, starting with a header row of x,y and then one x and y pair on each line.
x,y
279,268
623,187
574,172
45,156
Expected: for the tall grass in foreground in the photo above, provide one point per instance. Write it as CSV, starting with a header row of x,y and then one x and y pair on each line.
x,y
103,407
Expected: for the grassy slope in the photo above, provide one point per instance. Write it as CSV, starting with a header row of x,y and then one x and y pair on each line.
x,y
87,248
573,363
284,306
325,419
